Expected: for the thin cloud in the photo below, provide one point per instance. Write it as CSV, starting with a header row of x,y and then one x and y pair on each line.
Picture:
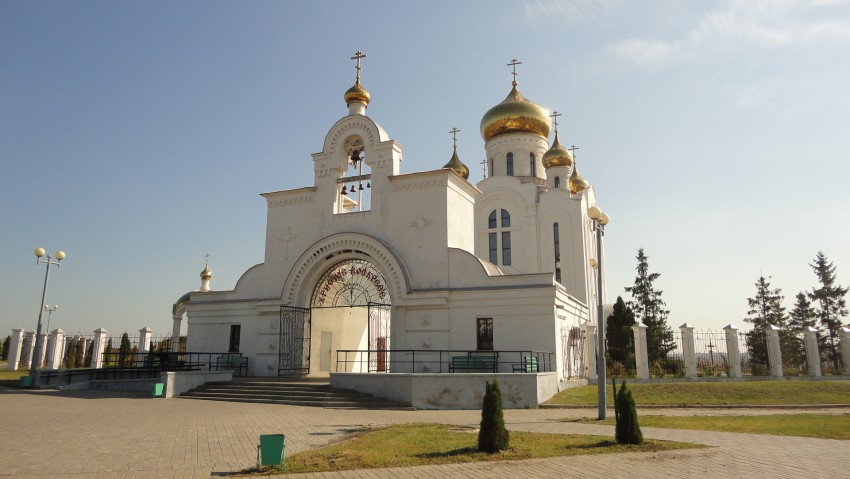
x,y
547,11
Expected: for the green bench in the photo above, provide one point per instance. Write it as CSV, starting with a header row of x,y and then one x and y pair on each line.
x,y
474,362
528,365
239,363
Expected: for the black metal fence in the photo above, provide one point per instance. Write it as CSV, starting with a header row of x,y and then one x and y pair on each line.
x,y
444,361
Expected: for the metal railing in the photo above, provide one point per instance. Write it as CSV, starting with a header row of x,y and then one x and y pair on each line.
x,y
443,361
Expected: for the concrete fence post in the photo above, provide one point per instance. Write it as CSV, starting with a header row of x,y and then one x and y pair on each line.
x,y
733,352
845,349
99,345
688,350
54,357
15,343
774,352
810,338
641,356
145,335
29,338
42,353
589,351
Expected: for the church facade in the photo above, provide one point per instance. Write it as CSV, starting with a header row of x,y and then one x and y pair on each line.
x,y
372,270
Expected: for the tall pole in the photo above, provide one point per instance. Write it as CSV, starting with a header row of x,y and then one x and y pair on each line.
x,y
600,361
35,366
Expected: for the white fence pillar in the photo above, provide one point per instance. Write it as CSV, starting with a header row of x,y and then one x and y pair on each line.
x,y
99,345
145,335
688,350
175,333
15,343
589,351
54,358
774,352
733,353
42,353
641,356
29,339
810,338
845,348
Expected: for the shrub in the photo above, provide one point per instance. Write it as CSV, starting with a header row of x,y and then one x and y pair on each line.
x,y
627,430
492,436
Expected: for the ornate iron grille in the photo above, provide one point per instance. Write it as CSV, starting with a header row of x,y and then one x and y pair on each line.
x,y
379,337
294,344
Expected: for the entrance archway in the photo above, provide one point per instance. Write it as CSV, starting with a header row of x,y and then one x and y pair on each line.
x,y
349,310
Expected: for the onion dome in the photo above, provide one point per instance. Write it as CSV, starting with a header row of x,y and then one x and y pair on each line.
x,y
206,274
515,114
557,155
577,183
357,94
456,165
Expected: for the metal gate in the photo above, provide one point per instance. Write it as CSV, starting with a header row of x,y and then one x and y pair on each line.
x,y
294,344
572,348
379,337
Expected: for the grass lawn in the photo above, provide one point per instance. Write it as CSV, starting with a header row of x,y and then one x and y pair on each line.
x,y
11,378
717,393
824,426
429,444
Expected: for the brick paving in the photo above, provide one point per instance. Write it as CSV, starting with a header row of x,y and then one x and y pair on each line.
x,y
95,434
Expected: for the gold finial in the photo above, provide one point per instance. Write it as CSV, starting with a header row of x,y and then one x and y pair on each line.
x,y
514,62
455,163
454,132
206,274
554,116
577,183
357,56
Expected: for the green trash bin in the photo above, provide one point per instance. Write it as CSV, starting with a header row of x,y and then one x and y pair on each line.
x,y
270,452
156,389
26,381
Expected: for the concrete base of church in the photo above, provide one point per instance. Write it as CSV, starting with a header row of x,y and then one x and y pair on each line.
x,y
451,391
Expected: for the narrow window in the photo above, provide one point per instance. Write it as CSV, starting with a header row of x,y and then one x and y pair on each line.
x,y
510,164
490,167
557,237
492,219
506,248
531,162
506,219
485,334
494,238
493,249
235,331
557,182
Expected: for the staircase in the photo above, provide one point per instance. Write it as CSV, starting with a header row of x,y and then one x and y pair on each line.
x,y
293,392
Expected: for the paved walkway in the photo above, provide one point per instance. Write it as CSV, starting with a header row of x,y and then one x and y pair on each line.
x,y
94,434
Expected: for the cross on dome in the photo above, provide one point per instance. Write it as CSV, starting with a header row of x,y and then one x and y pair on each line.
x,y
554,116
573,150
454,132
514,62
357,56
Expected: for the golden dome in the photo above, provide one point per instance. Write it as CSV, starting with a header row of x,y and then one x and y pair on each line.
x,y
515,115
206,274
456,165
577,183
357,93
557,155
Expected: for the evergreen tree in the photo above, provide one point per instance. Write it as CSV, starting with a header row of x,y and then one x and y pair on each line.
x,y
71,354
619,336
492,436
765,310
832,305
649,308
801,317
124,351
627,429
87,357
108,359
79,361
6,343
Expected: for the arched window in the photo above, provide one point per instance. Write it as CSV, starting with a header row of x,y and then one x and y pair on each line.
x,y
500,233
531,163
510,164
490,167
557,182
557,237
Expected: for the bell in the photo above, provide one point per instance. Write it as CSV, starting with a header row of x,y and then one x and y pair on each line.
x,y
368,185
355,157
361,187
344,191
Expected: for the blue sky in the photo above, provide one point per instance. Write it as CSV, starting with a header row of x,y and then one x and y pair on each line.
x,y
136,136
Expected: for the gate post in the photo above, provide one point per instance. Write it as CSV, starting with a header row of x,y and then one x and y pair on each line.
x,y
57,341
29,335
97,350
845,349
812,354
688,350
733,360
17,340
144,345
641,355
589,351
774,352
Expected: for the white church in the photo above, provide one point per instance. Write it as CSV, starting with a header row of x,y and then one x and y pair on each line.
x,y
382,280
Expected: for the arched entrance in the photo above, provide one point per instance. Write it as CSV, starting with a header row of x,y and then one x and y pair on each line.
x,y
349,310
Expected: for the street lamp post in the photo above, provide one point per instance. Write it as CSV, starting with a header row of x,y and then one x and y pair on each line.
x,y
36,357
598,221
50,314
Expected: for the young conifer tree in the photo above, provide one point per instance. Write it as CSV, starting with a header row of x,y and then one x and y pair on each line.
x,y
492,436
619,336
832,305
765,310
627,430
801,317
649,308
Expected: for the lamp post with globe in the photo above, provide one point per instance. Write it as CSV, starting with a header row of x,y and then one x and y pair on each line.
x,y
37,357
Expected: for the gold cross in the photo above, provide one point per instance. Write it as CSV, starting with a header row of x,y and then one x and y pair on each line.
x,y
484,166
514,62
454,131
357,56
573,151
554,116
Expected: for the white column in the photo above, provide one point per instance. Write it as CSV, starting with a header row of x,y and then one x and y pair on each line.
x,y
641,354
99,345
144,344
50,358
589,351
43,349
845,349
175,333
688,349
29,336
54,360
15,344
733,353
810,337
774,352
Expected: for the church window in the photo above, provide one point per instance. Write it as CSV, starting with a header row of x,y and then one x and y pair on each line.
x,y
557,182
235,332
531,164
557,237
510,164
490,167
484,334
354,187
495,240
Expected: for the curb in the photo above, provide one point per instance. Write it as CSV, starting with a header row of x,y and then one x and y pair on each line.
x,y
703,406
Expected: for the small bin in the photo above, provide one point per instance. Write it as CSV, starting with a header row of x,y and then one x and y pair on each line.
x,y
26,381
270,452
157,390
